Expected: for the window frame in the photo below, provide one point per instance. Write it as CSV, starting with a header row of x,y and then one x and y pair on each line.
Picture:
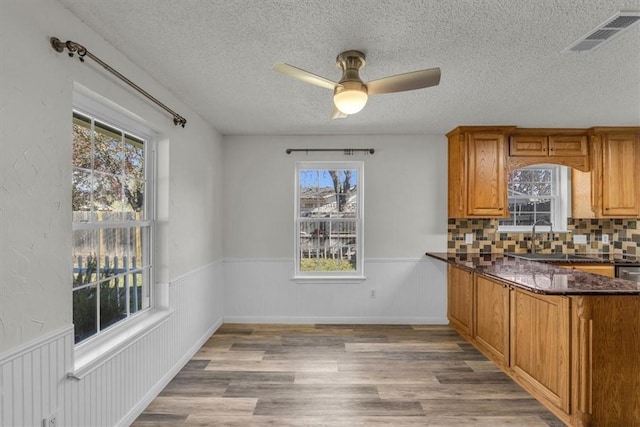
x,y
115,332
330,276
560,199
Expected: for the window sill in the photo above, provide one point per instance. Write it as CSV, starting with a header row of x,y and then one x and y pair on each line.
x,y
89,356
329,279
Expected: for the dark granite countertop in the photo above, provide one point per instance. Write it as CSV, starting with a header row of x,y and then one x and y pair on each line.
x,y
540,277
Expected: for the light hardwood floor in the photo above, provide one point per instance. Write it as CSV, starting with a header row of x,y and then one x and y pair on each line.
x,y
341,375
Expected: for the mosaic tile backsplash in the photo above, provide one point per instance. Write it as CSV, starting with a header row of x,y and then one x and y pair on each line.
x,y
624,237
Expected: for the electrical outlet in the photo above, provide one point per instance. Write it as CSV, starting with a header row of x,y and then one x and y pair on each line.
x,y
468,238
51,420
372,293
580,239
605,239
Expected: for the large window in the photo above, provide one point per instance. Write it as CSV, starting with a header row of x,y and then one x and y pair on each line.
x,y
328,215
537,193
112,224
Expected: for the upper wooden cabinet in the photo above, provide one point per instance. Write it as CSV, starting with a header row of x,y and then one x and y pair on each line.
x,y
568,147
477,172
610,189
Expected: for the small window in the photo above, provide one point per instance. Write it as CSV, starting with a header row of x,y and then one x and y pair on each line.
x,y
112,225
537,193
328,216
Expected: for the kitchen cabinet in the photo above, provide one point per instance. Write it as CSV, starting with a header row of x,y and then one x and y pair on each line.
x,y
548,146
460,299
610,189
576,354
617,172
540,345
568,147
477,172
492,319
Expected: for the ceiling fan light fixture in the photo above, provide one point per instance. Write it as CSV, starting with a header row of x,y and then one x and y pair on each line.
x,y
350,97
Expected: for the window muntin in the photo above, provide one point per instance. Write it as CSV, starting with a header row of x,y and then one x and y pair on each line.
x,y
328,216
536,193
112,225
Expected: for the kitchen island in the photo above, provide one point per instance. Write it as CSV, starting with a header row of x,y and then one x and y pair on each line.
x,y
571,339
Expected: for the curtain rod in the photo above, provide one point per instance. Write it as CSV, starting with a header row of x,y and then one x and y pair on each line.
x,y
346,151
74,47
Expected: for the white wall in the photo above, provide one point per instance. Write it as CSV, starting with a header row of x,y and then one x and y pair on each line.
x,y
36,88
405,215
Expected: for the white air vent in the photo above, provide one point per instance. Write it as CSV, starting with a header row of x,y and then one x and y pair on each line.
x,y
607,31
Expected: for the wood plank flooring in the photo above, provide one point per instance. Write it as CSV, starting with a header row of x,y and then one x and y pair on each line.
x,y
341,375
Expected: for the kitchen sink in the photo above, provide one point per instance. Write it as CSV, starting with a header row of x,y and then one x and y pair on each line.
x,y
552,257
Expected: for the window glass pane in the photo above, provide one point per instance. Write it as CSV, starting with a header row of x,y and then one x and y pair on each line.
x,y
328,246
541,189
84,312
81,142
328,193
113,251
82,187
138,248
108,150
134,157
113,301
85,262
133,199
107,198
137,293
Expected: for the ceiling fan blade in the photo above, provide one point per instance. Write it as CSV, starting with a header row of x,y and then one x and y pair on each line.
x,y
305,76
337,114
407,81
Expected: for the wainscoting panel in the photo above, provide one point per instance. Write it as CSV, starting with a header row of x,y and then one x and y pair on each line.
x,y
33,378
407,291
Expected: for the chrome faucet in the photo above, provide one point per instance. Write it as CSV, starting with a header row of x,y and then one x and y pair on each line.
x,y
533,233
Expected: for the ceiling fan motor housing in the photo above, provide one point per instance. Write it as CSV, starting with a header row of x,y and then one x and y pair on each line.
x,y
350,62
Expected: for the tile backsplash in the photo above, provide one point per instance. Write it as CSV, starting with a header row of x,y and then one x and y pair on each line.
x,y
623,234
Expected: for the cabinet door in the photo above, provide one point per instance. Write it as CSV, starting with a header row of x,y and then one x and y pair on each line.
x,y
457,183
540,344
620,175
568,145
487,186
528,146
492,319
460,299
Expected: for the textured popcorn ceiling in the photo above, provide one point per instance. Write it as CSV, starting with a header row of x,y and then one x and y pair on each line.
x,y
500,60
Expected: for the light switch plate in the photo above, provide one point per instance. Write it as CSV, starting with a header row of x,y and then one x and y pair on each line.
x,y
605,239
580,239
468,238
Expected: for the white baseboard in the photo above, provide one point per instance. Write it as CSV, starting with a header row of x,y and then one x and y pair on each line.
x,y
135,412
339,320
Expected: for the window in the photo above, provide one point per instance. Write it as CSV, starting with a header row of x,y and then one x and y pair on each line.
x,y
112,224
328,216
537,193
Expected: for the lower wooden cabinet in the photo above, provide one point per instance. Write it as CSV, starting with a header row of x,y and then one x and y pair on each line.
x,y
578,355
492,319
540,345
460,299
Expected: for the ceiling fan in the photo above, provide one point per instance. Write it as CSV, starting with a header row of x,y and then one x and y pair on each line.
x,y
350,94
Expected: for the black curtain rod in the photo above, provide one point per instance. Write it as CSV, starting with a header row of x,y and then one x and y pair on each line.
x,y
346,151
74,47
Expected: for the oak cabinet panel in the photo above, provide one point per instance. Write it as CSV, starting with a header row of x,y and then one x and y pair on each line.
x,y
487,179
540,346
477,172
460,299
492,319
542,145
615,192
